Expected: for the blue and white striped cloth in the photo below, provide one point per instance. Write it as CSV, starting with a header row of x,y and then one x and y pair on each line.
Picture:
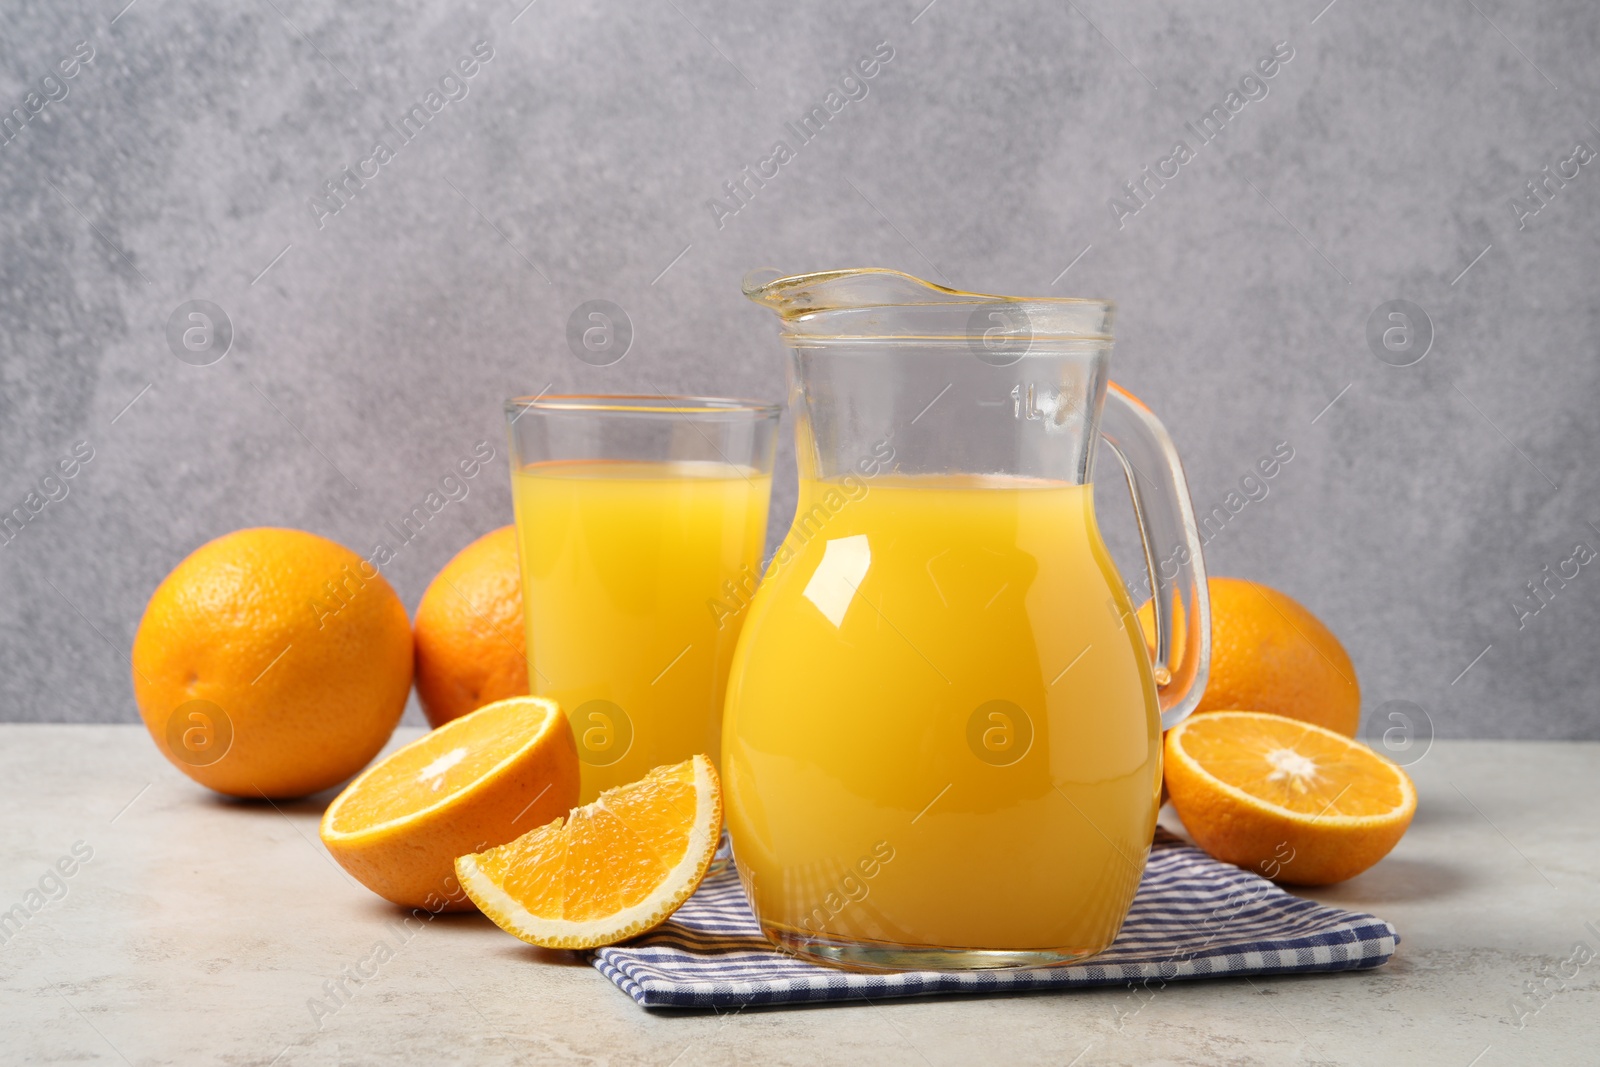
x,y
1193,917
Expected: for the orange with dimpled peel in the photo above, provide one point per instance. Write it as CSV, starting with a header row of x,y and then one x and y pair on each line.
x,y
272,662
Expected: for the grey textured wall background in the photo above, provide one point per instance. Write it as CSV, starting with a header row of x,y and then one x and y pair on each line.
x,y
371,348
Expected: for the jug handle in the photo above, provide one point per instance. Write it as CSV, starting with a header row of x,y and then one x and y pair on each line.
x,y
1172,550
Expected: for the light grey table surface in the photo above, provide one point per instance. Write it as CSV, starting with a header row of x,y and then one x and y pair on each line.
x,y
200,930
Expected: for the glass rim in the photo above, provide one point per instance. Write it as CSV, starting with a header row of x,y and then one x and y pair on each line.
x,y
640,404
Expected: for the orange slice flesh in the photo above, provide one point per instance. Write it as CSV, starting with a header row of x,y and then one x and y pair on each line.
x,y
433,768
1281,762
1296,802
610,870
478,780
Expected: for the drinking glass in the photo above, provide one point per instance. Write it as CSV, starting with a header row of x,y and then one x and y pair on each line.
x,y
640,525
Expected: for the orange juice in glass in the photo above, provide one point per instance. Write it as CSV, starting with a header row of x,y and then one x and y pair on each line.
x,y
640,524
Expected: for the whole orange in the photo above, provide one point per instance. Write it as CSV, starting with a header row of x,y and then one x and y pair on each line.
x,y
272,662
1269,653
469,631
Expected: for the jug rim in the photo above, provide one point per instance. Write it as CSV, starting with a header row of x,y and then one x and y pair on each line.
x,y
881,304
645,404
753,289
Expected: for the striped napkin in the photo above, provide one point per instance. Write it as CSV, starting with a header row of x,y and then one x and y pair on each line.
x,y
1193,917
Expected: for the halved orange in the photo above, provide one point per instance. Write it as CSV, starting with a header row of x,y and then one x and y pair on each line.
x,y
477,781
1295,802
611,869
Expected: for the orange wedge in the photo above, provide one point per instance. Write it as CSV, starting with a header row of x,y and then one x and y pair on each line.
x,y
1295,802
611,869
478,780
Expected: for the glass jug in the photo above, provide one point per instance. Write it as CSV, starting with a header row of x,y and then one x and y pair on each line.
x,y
942,737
